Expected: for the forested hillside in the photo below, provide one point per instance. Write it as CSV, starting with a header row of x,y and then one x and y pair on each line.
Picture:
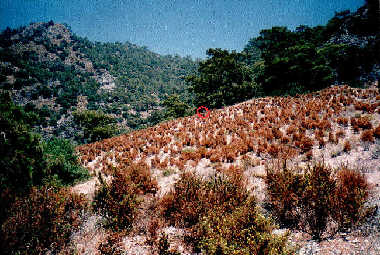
x,y
284,62
53,72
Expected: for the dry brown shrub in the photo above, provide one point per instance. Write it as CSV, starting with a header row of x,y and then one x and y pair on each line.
x,y
285,140
193,197
309,155
45,216
355,129
332,138
117,201
310,198
164,163
324,125
215,156
261,148
361,122
340,133
155,161
376,132
342,121
365,107
297,137
139,174
273,150
277,133
305,144
111,245
154,225
350,195
346,146
291,129
287,152
367,136
319,133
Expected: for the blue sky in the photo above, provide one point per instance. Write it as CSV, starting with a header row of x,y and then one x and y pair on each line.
x,y
183,27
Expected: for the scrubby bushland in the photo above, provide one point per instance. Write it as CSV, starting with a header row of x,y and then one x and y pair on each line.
x,y
175,107
139,175
309,198
117,201
351,193
42,220
164,245
243,231
26,160
221,215
283,188
110,245
21,160
193,197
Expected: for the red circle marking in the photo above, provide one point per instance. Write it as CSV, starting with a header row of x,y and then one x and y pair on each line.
x,y
200,114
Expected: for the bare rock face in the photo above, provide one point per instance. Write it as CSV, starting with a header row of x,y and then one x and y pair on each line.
x,y
107,81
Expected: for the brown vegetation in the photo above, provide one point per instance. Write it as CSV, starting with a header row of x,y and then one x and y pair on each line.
x,y
219,209
47,215
308,198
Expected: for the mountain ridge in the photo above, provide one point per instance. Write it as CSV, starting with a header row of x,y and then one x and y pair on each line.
x,y
47,61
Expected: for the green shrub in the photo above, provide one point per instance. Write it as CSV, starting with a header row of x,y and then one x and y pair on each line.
x,y
222,79
96,125
317,198
222,216
42,220
243,231
62,162
21,151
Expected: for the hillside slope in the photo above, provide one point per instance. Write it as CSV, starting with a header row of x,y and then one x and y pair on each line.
x,y
339,125
52,71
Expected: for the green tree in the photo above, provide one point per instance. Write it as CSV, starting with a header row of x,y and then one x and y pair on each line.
x,y
156,117
175,107
292,61
96,125
223,79
21,162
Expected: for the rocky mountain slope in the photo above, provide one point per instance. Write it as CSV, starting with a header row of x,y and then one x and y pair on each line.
x,y
53,72
339,126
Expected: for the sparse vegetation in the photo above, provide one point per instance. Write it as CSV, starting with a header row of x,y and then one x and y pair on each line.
x,y
41,220
224,197
308,198
117,201
222,216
